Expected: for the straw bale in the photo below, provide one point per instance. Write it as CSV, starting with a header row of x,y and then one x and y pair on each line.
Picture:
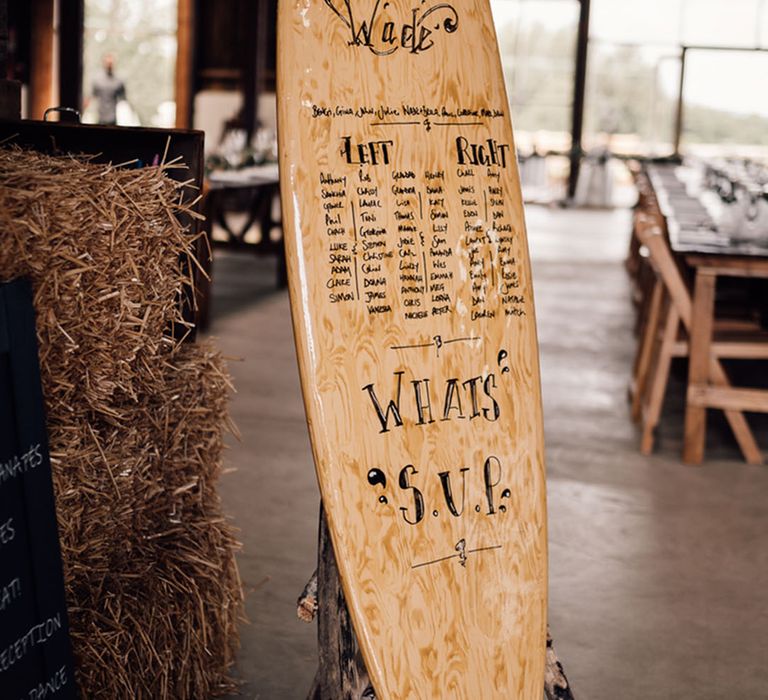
x,y
102,245
136,425
156,585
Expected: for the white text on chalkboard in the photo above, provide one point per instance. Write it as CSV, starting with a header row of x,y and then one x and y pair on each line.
x,y
52,686
38,634
9,593
7,532
21,464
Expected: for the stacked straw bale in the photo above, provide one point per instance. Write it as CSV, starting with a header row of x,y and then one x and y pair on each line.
x,y
135,423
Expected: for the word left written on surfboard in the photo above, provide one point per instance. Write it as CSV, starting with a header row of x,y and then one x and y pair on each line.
x,y
35,654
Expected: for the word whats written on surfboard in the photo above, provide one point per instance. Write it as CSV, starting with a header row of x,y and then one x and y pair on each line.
x,y
457,399
384,35
35,654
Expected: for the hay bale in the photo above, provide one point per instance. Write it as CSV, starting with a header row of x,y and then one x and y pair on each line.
x,y
102,245
135,425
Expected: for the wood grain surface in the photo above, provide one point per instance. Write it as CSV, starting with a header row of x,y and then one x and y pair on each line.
x,y
414,319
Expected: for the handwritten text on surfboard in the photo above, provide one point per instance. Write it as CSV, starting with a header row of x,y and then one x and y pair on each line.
x,y
454,490
488,152
384,36
435,246
473,398
430,240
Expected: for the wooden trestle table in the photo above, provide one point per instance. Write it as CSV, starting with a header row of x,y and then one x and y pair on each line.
x,y
710,253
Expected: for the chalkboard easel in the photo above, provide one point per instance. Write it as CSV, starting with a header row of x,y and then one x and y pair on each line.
x,y
35,652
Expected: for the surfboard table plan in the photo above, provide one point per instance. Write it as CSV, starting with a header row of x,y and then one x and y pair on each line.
x,y
414,320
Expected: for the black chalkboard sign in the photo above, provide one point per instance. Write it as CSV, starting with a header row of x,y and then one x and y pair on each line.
x,y
35,652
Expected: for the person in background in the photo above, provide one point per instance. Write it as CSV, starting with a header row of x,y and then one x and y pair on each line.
x,y
108,89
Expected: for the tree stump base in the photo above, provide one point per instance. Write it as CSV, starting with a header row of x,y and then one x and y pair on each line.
x,y
341,674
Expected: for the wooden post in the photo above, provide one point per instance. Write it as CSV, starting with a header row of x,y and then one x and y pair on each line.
x,y
185,64
251,68
579,92
41,59
698,364
679,115
341,674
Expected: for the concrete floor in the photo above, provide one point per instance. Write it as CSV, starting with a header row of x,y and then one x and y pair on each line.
x,y
658,572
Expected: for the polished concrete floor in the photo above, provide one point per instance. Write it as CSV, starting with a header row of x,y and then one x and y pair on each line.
x,y
658,572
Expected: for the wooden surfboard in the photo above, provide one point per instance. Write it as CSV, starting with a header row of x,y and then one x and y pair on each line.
x,y
414,321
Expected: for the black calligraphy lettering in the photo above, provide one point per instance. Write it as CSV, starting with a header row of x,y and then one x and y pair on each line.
x,y
472,382
423,401
490,483
388,35
418,498
445,481
488,384
393,408
382,36
452,392
370,153
489,153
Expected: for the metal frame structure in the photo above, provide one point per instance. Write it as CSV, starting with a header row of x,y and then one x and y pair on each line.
x,y
684,49
579,93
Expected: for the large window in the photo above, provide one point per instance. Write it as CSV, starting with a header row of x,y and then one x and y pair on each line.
x,y
631,98
537,40
633,80
726,103
140,35
636,48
